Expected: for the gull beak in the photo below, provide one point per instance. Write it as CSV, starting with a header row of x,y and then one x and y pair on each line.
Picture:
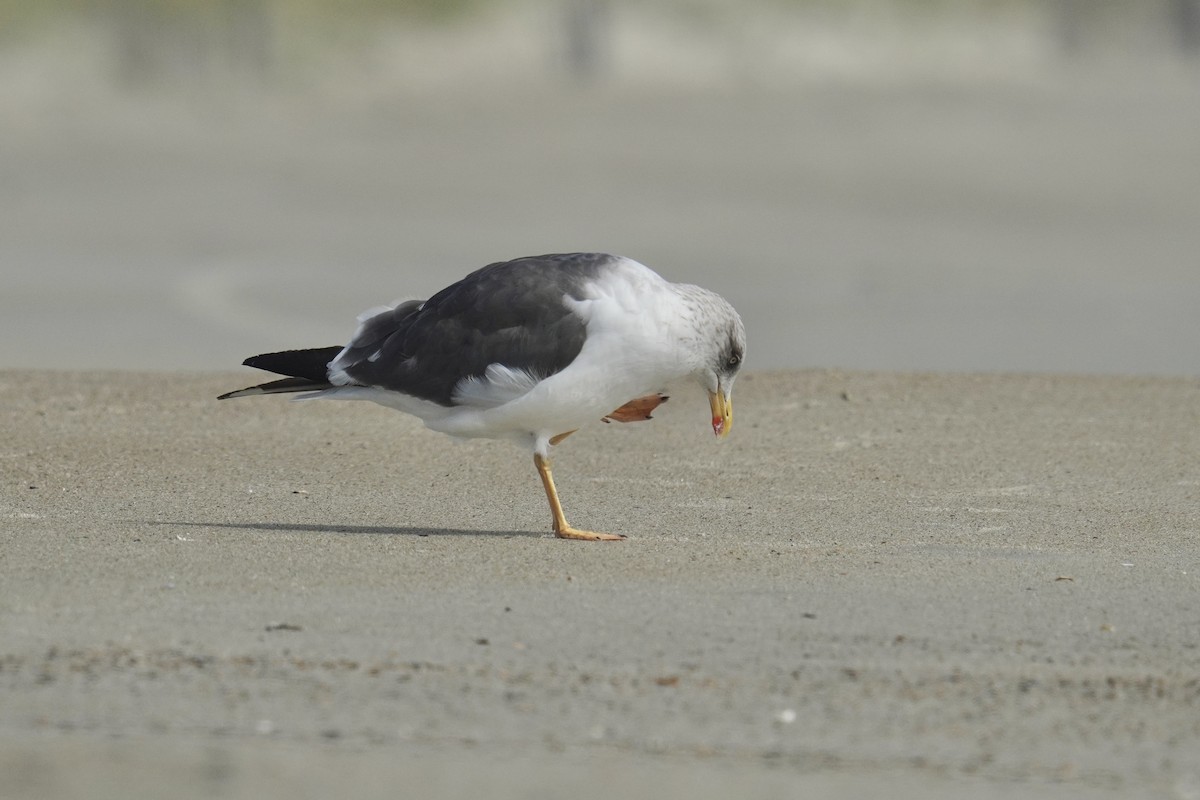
x,y
722,412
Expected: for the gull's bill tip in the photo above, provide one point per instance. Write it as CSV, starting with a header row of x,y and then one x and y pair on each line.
x,y
722,413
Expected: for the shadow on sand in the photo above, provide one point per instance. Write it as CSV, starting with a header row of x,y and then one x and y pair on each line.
x,y
385,530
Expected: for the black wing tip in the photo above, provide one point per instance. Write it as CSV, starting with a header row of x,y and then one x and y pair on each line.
x,y
283,386
262,360
311,363
249,390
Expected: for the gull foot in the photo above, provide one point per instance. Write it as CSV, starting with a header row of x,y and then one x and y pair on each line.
x,y
637,409
590,536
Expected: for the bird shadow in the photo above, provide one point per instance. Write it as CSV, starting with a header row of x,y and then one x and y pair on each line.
x,y
349,530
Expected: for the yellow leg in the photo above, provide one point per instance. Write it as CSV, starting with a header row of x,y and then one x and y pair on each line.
x,y
561,528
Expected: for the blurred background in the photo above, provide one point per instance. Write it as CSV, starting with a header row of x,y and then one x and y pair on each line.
x,y
883,184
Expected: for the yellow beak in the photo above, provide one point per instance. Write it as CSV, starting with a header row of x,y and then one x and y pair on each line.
x,y
722,412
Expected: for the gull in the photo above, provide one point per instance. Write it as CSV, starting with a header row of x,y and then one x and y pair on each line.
x,y
530,350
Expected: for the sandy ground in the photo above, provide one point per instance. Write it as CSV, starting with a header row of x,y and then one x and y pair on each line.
x,y
883,583
921,585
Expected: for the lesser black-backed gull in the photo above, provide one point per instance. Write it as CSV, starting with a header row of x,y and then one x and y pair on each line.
x,y
531,350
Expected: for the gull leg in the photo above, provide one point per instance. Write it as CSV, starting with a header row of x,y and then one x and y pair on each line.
x,y
561,528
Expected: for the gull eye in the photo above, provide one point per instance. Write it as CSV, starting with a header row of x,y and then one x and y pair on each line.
x,y
734,360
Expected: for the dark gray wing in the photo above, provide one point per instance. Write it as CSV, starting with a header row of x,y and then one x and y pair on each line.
x,y
509,313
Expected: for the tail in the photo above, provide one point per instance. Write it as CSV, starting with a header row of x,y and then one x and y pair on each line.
x,y
307,371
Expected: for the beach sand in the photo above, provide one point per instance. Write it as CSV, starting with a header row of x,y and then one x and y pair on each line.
x,y
924,585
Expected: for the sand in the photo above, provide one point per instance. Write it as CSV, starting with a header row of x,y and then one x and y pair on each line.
x,y
924,585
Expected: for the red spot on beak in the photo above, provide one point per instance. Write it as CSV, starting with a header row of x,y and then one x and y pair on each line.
x,y
722,413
